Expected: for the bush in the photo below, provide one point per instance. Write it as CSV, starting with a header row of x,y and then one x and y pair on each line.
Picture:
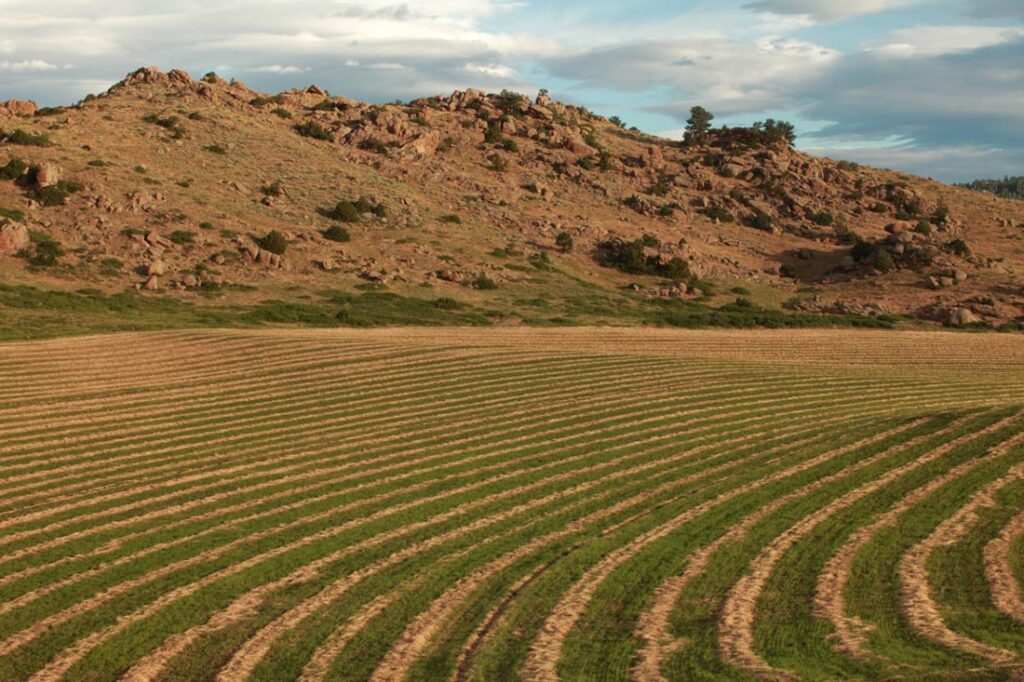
x,y
345,211
374,145
14,169
823,218
46,251
788,270
274,242
629,257
446,303
336,233
958,247
718,213
861,251
281,112
884,261
26,139
761,221
274,189
315,130
564,241
55,195
924,227
451,219
182,237
485,283
216,149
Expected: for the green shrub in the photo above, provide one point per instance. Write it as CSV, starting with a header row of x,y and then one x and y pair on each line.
x,y
718,213
761,221
923,227
264,101
55,195
315,130
216,149
564,241
182,237
281,112
450,218
12,213
629,257
823,218
374,145
274,242
46,252
98,163
861,251
14,169
26,139
884,261
345,211
336,233
485,283
958,247
510,145
788,270
446,303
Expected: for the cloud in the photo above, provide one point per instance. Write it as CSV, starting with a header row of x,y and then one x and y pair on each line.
x,y
828,10
935,40
277,68
27,65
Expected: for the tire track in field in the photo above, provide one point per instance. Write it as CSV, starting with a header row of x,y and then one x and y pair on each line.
x,y
653,626
187,638
185,506
919,605
256,648
1006,590
398,433
34,631
542,660
829,599
407,489
736,623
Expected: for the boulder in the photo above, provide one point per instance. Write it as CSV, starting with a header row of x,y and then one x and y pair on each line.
x,y
13,237
18,107
47,175
962,317
156,268
152,283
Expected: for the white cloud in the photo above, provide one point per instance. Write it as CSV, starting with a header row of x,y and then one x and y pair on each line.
x,y
8,47
278,68
936,40
828,10
27,65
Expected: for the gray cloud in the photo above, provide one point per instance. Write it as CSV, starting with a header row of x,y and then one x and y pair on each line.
x,y
828,10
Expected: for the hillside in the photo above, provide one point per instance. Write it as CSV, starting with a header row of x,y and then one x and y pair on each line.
x,y
453,206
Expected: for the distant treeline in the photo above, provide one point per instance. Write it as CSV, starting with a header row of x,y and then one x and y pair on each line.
x,y
1008,188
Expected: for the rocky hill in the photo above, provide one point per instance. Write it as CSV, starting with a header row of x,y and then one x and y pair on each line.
x,y
522,210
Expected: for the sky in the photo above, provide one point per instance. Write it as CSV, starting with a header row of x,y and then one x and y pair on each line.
x,y
931,87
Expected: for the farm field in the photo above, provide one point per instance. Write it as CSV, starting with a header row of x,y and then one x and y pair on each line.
x,y
512,503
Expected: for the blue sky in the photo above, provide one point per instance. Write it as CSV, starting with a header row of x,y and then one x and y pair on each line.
x,y
933,87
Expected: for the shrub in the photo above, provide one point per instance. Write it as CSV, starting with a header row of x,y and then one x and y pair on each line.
x,y
264,101
498,163
274,242
510,145
718,213
884,261
659,189
12,213
14,169
374,145
761,221
788,270
861,251
494,134
26,139
345,211
281,112
485,283
336,233
451,219
182,237
629,257
446,303
924,227
46,251
55,195
98,163
216,149
169,123
650,241
823,218
315,130
958,247
564,241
